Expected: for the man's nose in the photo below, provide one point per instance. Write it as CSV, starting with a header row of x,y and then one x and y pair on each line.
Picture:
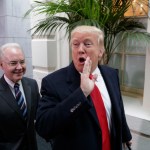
x,y
19,66
81,48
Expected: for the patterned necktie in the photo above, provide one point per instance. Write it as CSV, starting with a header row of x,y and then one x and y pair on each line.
x,y
102,118
20,100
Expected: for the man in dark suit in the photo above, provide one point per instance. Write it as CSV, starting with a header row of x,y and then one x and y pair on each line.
x,y
17,130
67,115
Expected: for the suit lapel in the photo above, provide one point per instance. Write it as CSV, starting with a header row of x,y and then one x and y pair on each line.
x,y
27,92
8,96
93,112
110,82
73,78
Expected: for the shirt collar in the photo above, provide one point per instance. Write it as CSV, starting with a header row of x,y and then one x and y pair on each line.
x,y
97,71
10,83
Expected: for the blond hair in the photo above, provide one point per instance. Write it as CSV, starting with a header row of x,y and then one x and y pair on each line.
x,y
91,29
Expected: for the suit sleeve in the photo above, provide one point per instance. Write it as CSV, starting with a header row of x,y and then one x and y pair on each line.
x,y
57,110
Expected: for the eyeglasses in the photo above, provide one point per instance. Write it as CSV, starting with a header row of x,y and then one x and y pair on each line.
x,y
15,63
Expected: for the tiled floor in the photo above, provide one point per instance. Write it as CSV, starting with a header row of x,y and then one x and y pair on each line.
x,y
140,143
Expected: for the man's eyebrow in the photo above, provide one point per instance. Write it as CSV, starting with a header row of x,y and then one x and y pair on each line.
x,y
17,60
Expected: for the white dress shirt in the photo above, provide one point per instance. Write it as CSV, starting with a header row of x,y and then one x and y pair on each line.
x,y
104,93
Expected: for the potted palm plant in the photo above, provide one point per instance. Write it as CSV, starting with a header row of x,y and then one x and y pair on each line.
x,y
109,15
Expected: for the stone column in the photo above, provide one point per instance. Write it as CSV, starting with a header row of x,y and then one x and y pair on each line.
x,y
146,96
13,27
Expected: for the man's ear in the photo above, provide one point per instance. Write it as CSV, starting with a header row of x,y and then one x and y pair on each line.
x,y
101,53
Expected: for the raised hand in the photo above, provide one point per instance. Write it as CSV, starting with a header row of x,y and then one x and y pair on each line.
x,y
86,83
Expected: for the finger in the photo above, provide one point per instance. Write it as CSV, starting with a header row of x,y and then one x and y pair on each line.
x,y
87,66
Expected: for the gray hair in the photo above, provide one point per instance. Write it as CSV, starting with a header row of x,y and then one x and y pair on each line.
x,y
91,29
6,46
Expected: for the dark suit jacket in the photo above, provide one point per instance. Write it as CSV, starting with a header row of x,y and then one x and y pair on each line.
x,y
15,132
67,119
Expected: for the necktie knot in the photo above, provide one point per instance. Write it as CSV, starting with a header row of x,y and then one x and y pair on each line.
x,y
90,76
16,86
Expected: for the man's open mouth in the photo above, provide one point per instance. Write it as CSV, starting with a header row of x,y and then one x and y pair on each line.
x,y
82,59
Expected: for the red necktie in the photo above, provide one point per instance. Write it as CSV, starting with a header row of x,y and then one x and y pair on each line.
x,y
102,118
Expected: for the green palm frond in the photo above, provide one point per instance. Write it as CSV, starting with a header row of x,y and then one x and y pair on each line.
x,y
105,14
49,25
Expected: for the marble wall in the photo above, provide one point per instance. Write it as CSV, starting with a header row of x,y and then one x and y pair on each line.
x,y
14,27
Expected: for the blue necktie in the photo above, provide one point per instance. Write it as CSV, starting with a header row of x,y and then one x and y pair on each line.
x,y
20,100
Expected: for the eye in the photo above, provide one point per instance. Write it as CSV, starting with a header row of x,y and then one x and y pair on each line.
x,y
22,62
13,63
75,44
88,44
